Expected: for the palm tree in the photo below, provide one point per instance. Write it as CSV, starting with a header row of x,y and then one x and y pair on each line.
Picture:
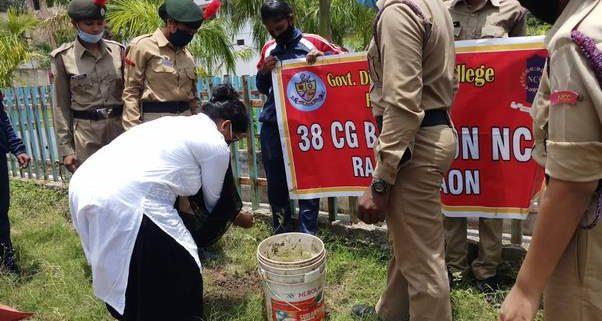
x,y
350,23
14,46
56,26
211,46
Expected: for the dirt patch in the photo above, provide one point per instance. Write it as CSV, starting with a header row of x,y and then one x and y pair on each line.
x,y
232,285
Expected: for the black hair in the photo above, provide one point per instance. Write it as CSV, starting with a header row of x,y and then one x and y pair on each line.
x,y
275,10
225,104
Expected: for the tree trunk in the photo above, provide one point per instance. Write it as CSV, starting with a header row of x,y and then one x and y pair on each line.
x,y
324,25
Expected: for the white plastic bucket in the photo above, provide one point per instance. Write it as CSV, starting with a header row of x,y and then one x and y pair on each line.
x,y
292,267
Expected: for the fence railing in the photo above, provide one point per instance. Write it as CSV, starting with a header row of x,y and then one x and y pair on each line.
x,y
30,110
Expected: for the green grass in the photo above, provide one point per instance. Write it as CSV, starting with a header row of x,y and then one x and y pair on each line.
x,y
56,283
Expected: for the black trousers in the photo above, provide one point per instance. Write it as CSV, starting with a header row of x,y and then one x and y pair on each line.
x,y
273,162
165,283
6,247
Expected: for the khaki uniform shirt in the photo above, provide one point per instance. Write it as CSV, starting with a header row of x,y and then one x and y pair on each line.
x,y
411,72
84,81
570,123
495,19
156,71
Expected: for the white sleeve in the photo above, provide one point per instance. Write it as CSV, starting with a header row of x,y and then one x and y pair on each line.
x,y
212,155
213,171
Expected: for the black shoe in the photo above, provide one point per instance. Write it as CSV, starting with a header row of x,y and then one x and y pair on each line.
x,y
362,311
489,285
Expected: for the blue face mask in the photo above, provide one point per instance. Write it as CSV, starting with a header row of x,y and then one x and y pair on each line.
x,y
368,3
86,37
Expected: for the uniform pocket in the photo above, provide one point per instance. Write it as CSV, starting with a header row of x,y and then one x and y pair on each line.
x,y
115,83
162,69
83,89
490,31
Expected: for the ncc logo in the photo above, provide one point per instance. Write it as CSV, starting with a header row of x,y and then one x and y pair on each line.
x,y
306,91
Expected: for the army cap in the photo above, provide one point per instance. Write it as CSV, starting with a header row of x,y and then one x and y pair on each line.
x,y
87,9
184,11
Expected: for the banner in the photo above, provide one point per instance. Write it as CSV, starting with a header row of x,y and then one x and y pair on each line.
x,y
328,131
493,174
326,125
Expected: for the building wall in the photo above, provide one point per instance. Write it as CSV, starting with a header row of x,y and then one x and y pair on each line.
x,y
244,40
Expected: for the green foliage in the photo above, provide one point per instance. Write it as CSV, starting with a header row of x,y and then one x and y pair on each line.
x,y
351,24
536,27
18,23
58,27
132,18
14,46
213,47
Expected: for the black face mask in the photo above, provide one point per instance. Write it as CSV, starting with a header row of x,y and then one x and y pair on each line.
x,y
543,9
286,35
180,38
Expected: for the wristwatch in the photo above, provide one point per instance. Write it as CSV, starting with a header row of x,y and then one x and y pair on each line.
x,y
379,186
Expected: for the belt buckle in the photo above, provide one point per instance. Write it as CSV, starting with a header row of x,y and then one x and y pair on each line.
x,y
103,112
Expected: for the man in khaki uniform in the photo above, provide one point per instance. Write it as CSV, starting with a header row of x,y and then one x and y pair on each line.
x,y
88,86
411,59
160,73
477,19
565,255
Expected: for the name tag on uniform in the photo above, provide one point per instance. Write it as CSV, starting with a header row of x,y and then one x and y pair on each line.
x,y
457,29
166,62
78,77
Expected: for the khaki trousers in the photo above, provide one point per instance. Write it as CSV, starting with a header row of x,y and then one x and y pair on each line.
x,y
574,291
490,246
91,135
418,287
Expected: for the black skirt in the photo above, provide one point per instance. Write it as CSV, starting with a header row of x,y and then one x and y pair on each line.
x,y
164,283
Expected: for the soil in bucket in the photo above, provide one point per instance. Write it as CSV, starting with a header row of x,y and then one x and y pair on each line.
x,y
293,271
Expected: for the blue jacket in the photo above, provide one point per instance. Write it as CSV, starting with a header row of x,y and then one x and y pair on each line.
x,y
9,141
298,46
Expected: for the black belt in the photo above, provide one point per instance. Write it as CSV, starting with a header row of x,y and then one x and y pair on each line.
x,y
432,117
436,117
172,107
99,113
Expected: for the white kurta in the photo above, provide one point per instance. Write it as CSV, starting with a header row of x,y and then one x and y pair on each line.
x,y
142,172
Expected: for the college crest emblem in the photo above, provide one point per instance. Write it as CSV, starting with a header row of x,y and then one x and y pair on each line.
x,y
306,91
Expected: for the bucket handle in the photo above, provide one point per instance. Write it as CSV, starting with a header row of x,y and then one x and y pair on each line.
x,y
267,284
